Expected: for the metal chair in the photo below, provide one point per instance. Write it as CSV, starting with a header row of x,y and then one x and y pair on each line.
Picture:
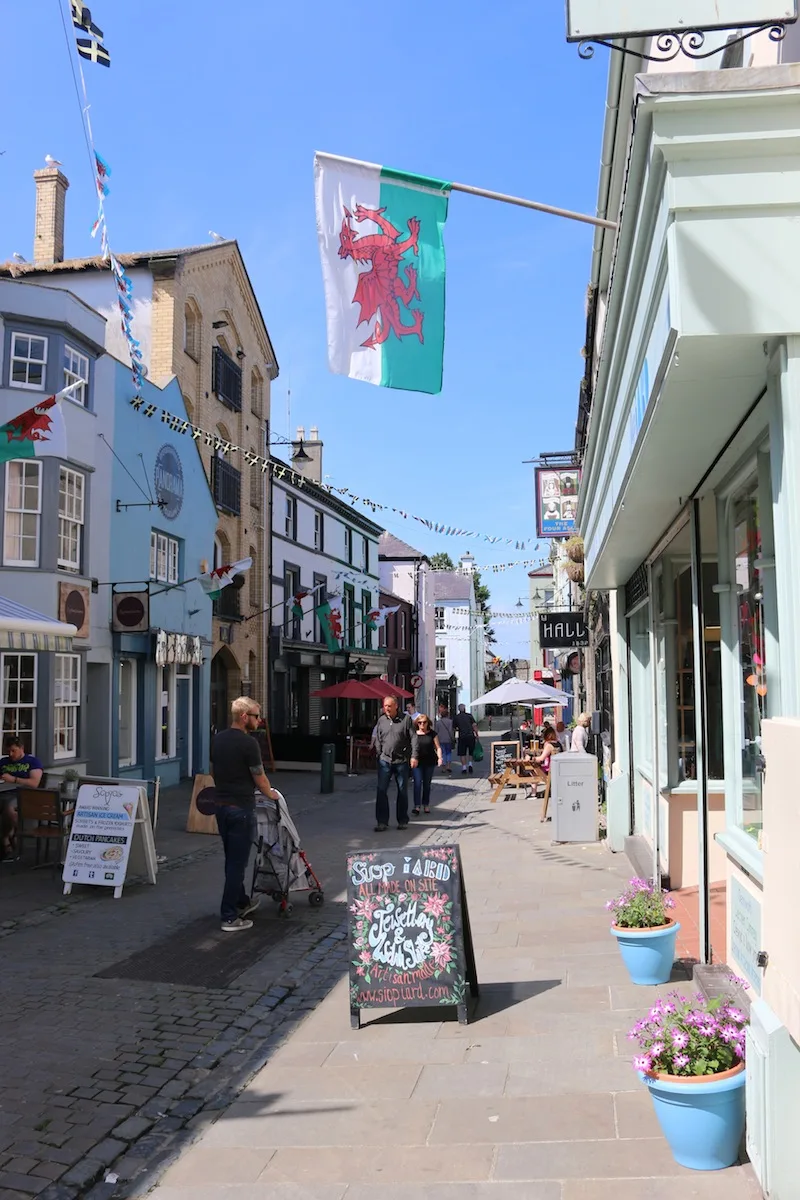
x,y
41,810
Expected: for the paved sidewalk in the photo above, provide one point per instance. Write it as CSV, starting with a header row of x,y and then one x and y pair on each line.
x,y
534,1100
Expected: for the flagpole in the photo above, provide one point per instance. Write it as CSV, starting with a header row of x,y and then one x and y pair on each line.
x,y
519,201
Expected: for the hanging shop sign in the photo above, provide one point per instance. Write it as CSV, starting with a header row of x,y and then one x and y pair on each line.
x,y
408,930
73,607
168,478
620,18
558,630
130,612
556,501
181,648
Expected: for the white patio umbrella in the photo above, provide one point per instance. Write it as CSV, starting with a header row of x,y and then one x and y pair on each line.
x,y
517,691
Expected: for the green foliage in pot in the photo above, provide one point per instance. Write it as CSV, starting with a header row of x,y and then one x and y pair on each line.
x,y
690,1036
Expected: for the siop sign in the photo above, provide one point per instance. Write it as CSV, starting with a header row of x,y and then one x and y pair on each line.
x,y
588,19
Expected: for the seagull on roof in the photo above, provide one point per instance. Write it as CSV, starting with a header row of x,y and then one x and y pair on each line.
x,y
18,257
216,236
52,162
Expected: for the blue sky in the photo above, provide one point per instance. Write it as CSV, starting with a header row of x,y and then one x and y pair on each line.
x,y
210,116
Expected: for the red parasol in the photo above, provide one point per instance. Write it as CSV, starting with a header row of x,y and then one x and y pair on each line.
x,y
349,689
382,689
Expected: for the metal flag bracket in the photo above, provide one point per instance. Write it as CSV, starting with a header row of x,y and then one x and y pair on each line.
x,y
689,42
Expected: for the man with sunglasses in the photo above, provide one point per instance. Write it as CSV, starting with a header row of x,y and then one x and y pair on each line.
x,y
238,774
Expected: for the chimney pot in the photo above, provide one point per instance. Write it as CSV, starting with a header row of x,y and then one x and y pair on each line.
x,y
48,234
301,432
313,433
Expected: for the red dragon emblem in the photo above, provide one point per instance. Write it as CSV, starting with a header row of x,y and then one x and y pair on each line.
x,y
381,287
33,425
333,620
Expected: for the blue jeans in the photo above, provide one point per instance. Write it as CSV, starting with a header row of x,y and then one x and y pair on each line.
x,y
385,772
422,786
447,752
236,828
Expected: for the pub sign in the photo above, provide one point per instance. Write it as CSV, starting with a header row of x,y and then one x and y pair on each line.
x,y
562,630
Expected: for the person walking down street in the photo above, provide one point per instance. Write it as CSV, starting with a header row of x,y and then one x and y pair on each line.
x,y
396,744
411,710
580,733
238,774
445,734
467,733
429,753
562,735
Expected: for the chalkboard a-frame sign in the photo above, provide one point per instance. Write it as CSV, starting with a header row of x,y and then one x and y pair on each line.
x,y
408,929
501,753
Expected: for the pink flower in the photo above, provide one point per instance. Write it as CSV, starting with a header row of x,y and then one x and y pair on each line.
x,y
365,956
642,1062
707,1028
667,1006
657,1049
441,953
681,1061
359,970
680,1040
655,1012
435,905
729,1033
363,908
739,1049
735,1014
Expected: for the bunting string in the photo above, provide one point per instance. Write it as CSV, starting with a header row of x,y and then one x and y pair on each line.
x,y
280,471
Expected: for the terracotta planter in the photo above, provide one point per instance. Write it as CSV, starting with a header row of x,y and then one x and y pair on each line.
x,y
701,1116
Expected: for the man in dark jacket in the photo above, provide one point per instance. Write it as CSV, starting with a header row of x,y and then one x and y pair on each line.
x,y
467,732
396,745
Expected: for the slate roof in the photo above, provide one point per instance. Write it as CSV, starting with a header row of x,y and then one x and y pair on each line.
x,y
452,585
390,546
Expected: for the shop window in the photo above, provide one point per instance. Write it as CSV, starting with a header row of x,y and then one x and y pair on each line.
x,y
685,680
319,531
70,518
28,362
66,700
19,698
291,586
290,522
23,513
641,710
747,550
165,708
127,712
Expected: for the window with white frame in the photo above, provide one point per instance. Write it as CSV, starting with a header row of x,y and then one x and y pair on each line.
x,y
165,556
70,518
319,531
76,370
438,617
23,507
291,518
66,701
28,362
19,697
441,658
165,708
191,330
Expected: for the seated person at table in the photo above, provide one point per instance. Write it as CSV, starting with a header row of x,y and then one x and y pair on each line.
x,y
16,767
551,746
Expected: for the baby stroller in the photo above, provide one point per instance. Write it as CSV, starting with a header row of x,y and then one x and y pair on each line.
x,y
281,866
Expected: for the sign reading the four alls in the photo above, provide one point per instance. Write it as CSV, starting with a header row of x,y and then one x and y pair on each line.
x,y
408,927
169,482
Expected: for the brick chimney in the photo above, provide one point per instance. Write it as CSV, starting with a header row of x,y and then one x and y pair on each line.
x,y
310,466
48,235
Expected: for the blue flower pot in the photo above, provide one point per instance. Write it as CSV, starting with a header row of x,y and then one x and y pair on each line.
x,y
703,1122
648,953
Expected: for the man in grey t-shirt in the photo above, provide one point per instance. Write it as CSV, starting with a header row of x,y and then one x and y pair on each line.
x,y
396,745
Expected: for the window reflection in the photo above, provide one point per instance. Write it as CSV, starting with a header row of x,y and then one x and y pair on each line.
x,y
752,659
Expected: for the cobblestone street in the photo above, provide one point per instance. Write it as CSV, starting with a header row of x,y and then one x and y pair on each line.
x,y
101,1075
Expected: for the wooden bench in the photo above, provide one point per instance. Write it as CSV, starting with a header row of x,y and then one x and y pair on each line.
x,y
514,778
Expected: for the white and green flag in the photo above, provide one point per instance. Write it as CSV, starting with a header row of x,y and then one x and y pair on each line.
x,y
383,266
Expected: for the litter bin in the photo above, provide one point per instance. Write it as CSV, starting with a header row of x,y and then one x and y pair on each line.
x,y
326,767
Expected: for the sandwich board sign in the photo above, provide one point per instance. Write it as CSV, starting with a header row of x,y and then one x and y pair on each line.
x,y
111,831
408,930
609,19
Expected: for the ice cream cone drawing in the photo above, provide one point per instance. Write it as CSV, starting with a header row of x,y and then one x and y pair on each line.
x,y
129,807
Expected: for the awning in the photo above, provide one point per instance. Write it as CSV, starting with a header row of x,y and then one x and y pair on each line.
x,y
22,628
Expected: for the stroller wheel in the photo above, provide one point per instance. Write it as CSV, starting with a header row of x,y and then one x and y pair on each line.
x,y
316,898
286,910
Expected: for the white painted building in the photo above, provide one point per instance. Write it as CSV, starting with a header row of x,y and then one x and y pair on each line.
x,y
318,542
460,639
406,572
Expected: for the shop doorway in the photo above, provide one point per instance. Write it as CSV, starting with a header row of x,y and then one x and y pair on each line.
x,y
183,725
224,674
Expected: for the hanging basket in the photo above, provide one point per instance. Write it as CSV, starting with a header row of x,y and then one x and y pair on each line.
x,y
575,571
574,549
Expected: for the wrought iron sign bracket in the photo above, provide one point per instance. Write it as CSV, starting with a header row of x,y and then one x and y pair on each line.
x,y
690,42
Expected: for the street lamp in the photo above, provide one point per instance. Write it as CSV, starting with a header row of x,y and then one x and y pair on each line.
x,y
359,666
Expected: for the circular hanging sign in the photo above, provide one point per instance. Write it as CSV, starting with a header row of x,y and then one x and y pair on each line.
x,y
130,611
75,608
416,681
168,477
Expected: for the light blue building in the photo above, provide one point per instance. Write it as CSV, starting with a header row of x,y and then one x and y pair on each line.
x,y
163,520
